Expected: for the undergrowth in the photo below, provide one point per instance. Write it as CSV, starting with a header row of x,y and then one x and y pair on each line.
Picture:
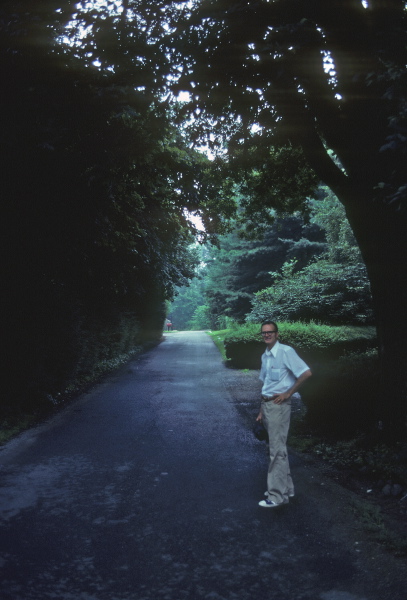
x,y
11,427
371,519
16,422
376,461
374,465
218,338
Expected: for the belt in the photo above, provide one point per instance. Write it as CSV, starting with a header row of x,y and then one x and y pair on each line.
x,y
267,399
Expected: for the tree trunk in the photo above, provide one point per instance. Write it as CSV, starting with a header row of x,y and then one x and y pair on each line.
x,y
381,231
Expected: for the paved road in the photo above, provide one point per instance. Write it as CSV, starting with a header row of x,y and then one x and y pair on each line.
x,y
147,488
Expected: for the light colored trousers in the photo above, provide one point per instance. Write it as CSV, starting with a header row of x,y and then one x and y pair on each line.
x,y
276,419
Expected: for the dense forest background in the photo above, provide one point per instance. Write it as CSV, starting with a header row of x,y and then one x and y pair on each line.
x,y
97,183
269,121
300,270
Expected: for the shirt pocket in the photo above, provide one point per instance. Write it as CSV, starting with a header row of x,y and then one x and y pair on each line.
x,y
275,374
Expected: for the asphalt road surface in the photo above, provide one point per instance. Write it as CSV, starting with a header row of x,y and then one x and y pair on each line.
x,y
147,488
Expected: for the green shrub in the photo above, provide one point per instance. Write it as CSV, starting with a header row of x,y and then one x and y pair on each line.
x,y
312,341
342,394
330,292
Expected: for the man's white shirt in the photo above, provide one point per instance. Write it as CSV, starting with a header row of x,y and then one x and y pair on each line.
x,y
280,368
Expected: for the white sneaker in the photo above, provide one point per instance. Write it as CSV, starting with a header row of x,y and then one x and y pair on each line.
x,y
271,504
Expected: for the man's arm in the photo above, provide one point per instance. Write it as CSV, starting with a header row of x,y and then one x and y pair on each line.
x,y
279,398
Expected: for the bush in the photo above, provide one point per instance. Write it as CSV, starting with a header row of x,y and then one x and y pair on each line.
x,y
70,349
342,394
312,341
330,292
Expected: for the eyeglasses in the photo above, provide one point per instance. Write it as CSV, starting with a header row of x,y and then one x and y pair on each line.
x,y
268,332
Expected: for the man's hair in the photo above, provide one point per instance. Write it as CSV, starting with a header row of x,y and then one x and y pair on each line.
x,y
269,323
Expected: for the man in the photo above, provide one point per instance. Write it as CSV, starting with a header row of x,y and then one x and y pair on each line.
x,y
282,373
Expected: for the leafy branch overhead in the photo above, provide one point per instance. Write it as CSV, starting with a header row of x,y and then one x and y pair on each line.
x,y
328,78
318,75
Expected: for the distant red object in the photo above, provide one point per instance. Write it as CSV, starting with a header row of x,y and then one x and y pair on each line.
x,y
169,325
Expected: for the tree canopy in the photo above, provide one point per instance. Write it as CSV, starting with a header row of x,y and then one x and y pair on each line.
x,y
328,78
298,271
290,92
97,186
240,267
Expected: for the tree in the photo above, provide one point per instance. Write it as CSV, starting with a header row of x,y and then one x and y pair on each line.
x,y
333,288
201,319
326,292
323,77
191,296
187,300
96,187
241,267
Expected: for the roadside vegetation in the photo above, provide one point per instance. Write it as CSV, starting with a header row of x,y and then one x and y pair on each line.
x,y
342,397
337,427
295,269
309,276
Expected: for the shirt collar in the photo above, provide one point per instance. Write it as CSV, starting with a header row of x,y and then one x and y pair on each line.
x,y
274,349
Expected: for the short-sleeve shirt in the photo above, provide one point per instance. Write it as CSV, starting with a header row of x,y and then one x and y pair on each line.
x,y
280,368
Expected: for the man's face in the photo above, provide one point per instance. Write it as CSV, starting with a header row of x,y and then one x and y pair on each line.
x,y
269,335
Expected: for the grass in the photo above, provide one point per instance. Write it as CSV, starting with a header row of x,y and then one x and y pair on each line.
x,y
9,429
219,337
372,521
